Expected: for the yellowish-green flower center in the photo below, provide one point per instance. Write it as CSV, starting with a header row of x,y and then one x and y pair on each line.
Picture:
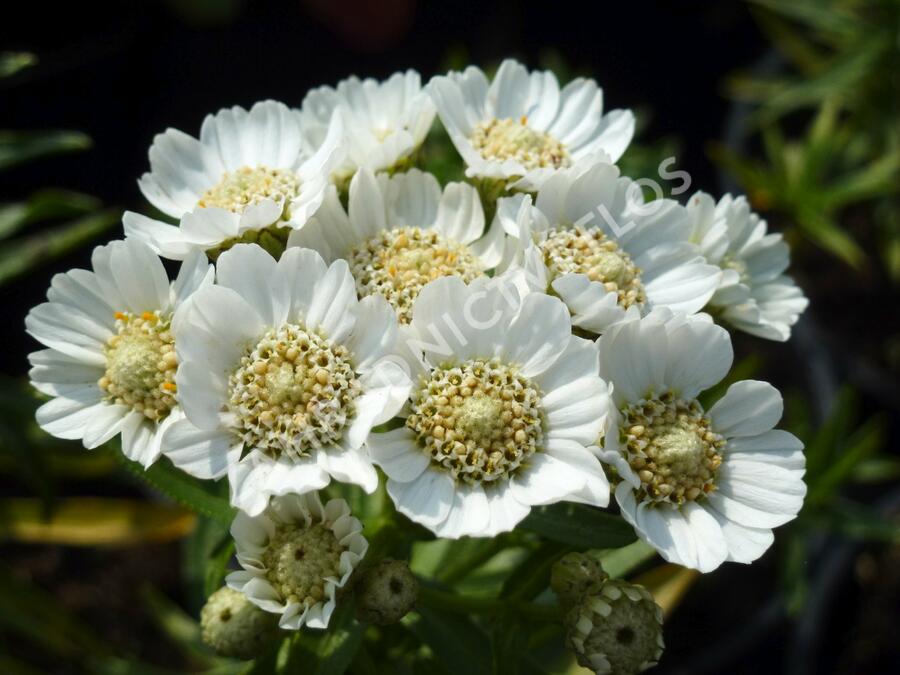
x,y
246,186
669,443
141,364
299,560
480,420
294,392
590,252
398,263
507,139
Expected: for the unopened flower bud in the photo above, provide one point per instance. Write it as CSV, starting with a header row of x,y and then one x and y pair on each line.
x,y
616,630
385,593
576,575
234,626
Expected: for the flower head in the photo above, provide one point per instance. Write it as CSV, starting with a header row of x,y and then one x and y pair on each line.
x,y
501,418
295,556
250,176
402,232
234,626
522,128
385,593
385,122
616,629
701,486
111,357
592,239
754,295
283,373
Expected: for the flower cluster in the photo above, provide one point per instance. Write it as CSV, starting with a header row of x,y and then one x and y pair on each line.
x,y
533,334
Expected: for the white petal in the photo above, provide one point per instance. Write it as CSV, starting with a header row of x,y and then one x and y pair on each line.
x,y
469,515
748,408
204,454
538,335
546,480
425,500
398,454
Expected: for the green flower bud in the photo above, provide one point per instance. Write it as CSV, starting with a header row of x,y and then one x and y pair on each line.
x,y
234,626
616,630
385,593
576,575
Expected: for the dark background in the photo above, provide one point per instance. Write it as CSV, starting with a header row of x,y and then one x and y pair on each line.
x,y
123,71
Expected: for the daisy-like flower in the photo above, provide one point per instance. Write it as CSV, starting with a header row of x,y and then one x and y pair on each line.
x,y
700,486
506,406
521,128
403,232
593,240
296,555
755,295
386,122
282,374
111,358
249,172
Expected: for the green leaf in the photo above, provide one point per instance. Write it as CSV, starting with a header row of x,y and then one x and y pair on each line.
x,y
623,561
876,470
857,522
579,525
829,235
459,645
25,254
12,62
532,576
335,649
18,147
509,644
45,205
193,493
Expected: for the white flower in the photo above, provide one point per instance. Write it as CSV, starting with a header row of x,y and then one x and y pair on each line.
x,y
593,240
385,122
701,487
755,295
249,171
110,366
282,376
522,128
402,232
507,406
296,555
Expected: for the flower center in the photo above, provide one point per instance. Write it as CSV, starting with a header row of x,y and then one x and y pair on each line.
x,y
731,263
398,263
592,253
246,186
299,561
514,139
293,392
141,364
480,420
670,445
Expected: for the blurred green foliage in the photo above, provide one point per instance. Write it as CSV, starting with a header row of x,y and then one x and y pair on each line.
x,y
840,177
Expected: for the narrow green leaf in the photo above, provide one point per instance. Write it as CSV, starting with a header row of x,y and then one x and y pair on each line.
x,y
623,561
24,255
459,645
336,648
12,62
44,205
193,493
18,147
579,525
